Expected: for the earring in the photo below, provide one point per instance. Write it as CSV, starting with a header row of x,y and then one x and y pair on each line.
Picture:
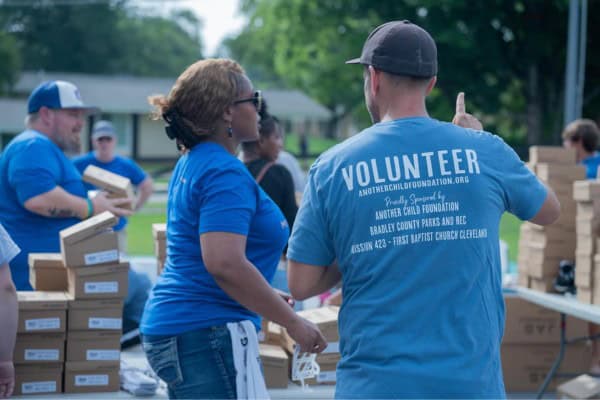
x,y
230,131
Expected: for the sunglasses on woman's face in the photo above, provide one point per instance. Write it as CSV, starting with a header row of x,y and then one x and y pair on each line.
x,y
256,99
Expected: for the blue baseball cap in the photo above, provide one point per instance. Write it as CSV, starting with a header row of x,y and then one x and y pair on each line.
x,y
55,95
103,128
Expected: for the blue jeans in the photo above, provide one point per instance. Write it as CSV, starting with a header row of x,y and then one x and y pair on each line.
x,y
139,286
195,365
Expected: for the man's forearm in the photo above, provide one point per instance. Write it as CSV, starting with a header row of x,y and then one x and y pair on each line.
x,y
145,190
58,203
9,315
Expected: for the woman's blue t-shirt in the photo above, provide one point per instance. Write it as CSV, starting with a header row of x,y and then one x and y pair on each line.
x,y
210,191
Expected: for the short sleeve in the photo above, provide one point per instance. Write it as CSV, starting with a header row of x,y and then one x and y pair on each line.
x,y
228,202
136,173
8,248
34,171
524,193
311,241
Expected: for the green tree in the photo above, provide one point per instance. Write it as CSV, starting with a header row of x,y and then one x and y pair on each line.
x,y
103,37
508,56
11,62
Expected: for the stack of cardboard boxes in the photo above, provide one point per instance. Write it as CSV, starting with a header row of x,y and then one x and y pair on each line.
x,y
88,268
39,350
97,285
159,233
541,248
530,346
587,195
277,348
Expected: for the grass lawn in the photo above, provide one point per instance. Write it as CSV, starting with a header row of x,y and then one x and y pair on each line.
x,y
509,232
140,240
139,229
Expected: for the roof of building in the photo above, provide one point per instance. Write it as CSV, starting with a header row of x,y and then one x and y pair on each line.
x,y
126,94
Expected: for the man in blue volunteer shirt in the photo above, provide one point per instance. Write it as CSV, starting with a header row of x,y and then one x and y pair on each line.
x,y
104,141
406,214
41,190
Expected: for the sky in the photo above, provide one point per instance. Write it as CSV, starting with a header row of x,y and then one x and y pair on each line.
x,y
220,18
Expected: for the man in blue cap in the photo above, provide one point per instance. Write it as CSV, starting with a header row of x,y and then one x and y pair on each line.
x,y
41,190
406,214
103,155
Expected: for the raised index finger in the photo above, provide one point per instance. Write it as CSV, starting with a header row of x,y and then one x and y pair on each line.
x,y
460,103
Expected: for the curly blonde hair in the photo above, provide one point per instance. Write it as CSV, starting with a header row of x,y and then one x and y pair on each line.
x,y
202,94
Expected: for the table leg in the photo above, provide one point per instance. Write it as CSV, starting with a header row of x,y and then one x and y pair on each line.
x,y
561,354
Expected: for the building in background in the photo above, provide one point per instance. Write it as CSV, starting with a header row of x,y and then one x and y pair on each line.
x,y
124,101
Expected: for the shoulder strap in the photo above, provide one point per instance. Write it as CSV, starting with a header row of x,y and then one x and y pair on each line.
x,y
263,171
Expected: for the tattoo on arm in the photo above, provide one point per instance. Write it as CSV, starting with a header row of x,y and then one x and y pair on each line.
x,y
58,213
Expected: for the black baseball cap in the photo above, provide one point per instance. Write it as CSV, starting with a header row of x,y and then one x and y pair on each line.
x,y
400,48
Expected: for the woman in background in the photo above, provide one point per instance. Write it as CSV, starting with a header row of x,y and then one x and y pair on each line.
x,y
224,239
260,156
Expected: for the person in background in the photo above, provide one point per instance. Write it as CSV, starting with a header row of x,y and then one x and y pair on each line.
x,y
225,240
406,214
293,166
260,157
583,135
103,155
41,190
9,314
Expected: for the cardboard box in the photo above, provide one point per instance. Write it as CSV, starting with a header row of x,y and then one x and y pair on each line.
x,y
584,265
326,319
159,231
93,346
38,378
587,226
100,314
116,185
544,285
586,190
538,253
523,280
90,242
47,272
551,154
276,365
582,387
160,249
33,348
42,312
548,267
101,281
91,376
588,210
559,172
526,322
525,366
103,248
271,333
586,244
584,295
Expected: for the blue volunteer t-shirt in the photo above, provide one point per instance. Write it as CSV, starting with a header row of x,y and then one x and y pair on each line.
x,y
410,209
31,165
591,165
119,165
210,191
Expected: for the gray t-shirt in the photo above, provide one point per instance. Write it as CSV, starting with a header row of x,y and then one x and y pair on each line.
x,y
8,248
